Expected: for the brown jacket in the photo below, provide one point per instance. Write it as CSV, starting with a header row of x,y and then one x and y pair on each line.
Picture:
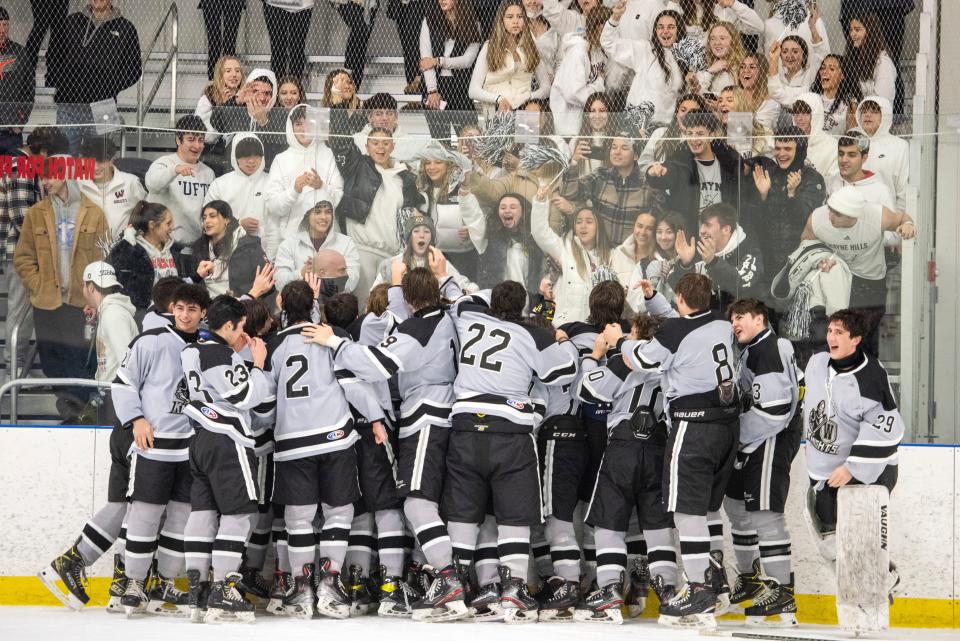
x,y
37,259
489,191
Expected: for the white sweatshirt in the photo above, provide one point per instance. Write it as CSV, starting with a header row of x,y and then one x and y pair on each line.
x,y
378,233
296,250
576,80
182,195
889,154
246,195
786,90
116,329
884,80
116,198
874,188
284,204
821,146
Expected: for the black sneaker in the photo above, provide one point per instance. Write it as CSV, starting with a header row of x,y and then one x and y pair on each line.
x,y
199,593
226,603
298,601
444,600
118,585
396,597
560,602
69,568
776,608
601,606
637,587
515,601
332,598
747,587
360,601
164,598
253,584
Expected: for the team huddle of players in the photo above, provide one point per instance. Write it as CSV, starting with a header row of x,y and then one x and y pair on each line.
x,y
463,421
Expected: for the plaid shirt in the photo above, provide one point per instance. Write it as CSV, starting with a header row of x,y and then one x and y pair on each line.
x,y
614,199
17,195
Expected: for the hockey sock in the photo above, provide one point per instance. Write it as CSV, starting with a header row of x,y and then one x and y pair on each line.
x,y
636,544
101,531
390,534
564,551
198,535
463,538
715,526
170,546
744,534
694,545
143,525
611,555
589,554
486,559
662,554
361,544
301,545
228,546
335,534
513,547
121,543
541,551
774,544
430,531
280,542
256,550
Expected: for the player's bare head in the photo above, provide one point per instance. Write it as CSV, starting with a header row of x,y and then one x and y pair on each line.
x,y
645,326
258,317
164,292
606,303
224,310
378,300
845,332
694,290
297,302
752,306
341,310
508,300
420,288
541,321
192,295
749,318
852,321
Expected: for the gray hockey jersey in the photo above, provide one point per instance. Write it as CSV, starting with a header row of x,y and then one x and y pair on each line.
x,y
498,361
627,391
768,377
312,416
223,390
422,352
850,418
150,385
583,336
694,354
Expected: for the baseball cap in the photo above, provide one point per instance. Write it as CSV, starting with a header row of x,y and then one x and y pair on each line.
x,y
847,201
101,274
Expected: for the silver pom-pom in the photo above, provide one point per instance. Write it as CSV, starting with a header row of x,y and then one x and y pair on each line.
x,y
793,13
533,157
641,116
403,214
602,274
691,53
497,137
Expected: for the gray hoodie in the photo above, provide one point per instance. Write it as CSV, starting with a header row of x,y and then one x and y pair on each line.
x,y
116,328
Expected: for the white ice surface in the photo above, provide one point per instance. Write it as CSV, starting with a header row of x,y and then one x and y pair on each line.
x,y
29,623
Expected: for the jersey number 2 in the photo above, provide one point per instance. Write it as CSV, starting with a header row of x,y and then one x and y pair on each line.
x,y
485,360
300,361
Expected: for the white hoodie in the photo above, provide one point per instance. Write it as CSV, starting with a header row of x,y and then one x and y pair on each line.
x,y
296,250
821,147
378,233
874,188
406,146
246,195
889,154
574,83
182,195
284,204
116,198
116,329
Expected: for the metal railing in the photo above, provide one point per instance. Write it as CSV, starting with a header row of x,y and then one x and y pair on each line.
x,y
14,386
170,63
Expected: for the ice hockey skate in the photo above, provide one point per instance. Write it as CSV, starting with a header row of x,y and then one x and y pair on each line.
x,y
282,586
165,599
663,590
601,606
775,608
396,598
254,586
748,587
558,599
444,600
361,602
694,605
637,588
515,601
720,584
199,593
332,598
70,569
225,603
134,599
117,585
298,601
485,605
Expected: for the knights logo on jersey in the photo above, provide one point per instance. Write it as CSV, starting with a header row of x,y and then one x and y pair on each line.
x,y
823,430
181,396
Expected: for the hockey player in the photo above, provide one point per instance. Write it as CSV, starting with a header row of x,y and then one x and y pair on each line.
x,y
149,395
423,351
315,461
694,355
630,476
851,421
492,451
224,496
757,492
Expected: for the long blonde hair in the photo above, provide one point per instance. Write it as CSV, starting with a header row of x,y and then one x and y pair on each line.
x,y
215,88
760,141
737,52
498,44
601,245
328,90
761,90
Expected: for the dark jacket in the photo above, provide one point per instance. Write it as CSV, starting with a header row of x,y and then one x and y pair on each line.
x,y
493,263
778,221
16,84
93,61
361,180
232,118
682,181
247,256
737,274
135,271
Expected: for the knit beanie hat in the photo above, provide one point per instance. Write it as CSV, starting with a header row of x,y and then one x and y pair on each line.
x,y
410,219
